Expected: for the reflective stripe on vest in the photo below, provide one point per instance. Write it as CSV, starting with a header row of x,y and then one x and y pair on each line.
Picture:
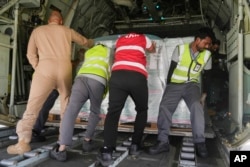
x,y
130,47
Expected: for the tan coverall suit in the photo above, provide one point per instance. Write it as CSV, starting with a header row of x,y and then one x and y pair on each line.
x,y
49,53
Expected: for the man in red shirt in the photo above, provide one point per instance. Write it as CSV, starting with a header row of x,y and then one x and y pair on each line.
x,y
128,78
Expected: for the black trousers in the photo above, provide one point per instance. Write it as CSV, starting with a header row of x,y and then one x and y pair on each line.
x,y
124,83
44,112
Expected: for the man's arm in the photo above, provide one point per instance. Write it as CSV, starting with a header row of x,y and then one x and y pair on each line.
x,y
81,40
152,48
173,65
150,45
206,80
32,52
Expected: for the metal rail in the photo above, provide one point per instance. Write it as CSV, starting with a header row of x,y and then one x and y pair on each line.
x,y
39,155
187,156
119,155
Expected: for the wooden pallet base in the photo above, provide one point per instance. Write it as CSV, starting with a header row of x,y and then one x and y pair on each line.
x,y
151,127
54,120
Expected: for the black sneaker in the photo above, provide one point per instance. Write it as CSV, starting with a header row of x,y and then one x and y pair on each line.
x,y
88,146
159,147
58,155
201,150
134,149
37,137
105,156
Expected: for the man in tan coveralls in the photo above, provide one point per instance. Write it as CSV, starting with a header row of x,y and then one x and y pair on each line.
x,y
49,53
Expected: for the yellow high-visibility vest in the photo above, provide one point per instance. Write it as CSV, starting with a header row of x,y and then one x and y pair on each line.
x,y
188,70
96,62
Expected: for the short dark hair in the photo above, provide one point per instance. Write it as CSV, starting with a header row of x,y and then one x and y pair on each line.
x,y
205,32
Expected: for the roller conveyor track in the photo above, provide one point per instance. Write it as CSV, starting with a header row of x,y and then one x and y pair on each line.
x,y
41,154
187,157
179,155
118,155
28,158
38,155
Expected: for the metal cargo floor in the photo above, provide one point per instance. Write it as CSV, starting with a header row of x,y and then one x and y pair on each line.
x,y
78,159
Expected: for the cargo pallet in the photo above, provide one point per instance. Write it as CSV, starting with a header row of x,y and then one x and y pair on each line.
x,y
54,120
151,127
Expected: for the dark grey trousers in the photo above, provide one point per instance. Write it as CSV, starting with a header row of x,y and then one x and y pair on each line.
x,y
191,94
84,88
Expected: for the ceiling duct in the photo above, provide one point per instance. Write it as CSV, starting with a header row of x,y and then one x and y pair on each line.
x,y
3,2
30,3
127,3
